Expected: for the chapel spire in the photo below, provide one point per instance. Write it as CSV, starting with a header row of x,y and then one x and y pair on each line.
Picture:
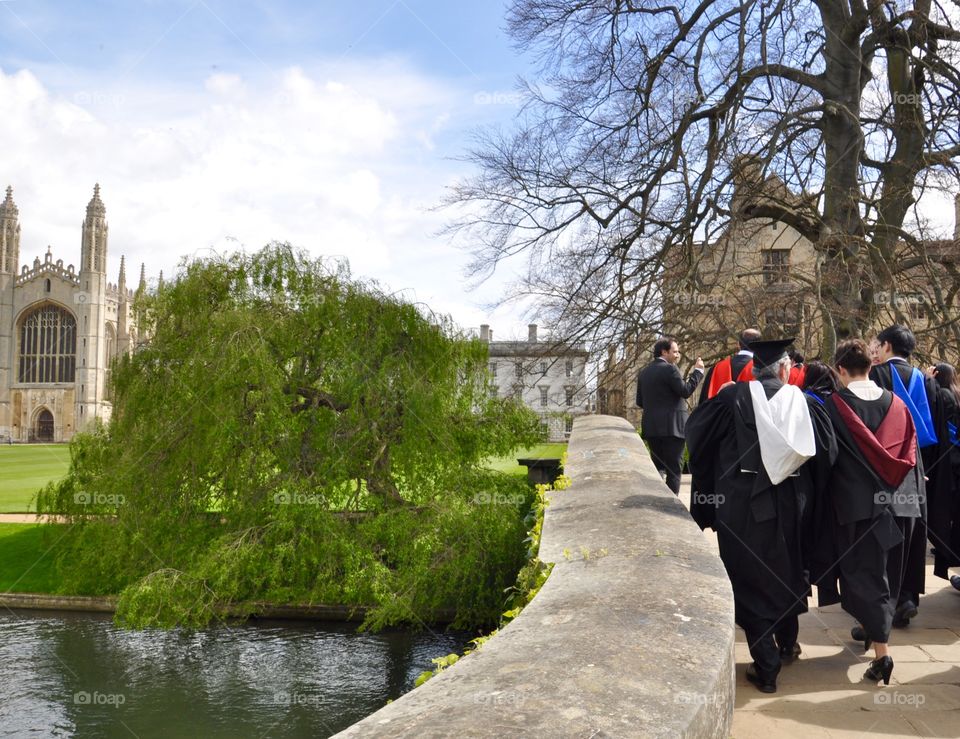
x,y
9,235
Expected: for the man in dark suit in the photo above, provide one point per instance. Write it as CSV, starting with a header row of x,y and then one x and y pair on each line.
x,y
662,394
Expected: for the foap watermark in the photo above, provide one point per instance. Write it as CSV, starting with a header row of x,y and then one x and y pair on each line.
x,y
501,698
114,499
498,97
907,98
295,699
899,698
898,299
95,99
896,498
96,698
297,499
689,698
714,499
698,299
499,499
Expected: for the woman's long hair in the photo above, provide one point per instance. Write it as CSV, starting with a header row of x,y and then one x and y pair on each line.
x,y
947,377
820,378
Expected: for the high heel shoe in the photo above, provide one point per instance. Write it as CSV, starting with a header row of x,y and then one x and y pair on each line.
x,y
880,669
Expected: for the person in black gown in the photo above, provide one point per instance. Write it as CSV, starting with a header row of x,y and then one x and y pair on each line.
x,y
869,513
893,371
759,450
945,375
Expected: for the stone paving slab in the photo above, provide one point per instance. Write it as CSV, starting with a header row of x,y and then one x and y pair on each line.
x,y
822,694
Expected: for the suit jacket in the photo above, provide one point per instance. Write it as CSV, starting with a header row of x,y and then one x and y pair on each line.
x,y
662,394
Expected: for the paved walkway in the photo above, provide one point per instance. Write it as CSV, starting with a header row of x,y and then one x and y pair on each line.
x,y
821,694
22,518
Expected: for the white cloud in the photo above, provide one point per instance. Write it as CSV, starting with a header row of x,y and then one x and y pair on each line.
x,y
343,160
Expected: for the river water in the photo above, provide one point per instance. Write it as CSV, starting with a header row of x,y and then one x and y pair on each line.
x,y
77,675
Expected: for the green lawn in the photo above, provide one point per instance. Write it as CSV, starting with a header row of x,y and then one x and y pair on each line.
x,y
509,464
25,468
26,558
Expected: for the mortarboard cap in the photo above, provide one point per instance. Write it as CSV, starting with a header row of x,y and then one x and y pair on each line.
x,y
769,351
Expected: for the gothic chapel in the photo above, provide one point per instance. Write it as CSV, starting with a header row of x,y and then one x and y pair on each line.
x,y
59,330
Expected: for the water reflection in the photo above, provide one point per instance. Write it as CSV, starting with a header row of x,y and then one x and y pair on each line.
x,y
78,675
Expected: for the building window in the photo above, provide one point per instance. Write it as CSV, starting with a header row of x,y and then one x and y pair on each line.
x,y
545,429
568,425
47,285
518,392
518,369
48,346
493,391
569,397
543,368
776,265
493,368
543,395
783,320
569,368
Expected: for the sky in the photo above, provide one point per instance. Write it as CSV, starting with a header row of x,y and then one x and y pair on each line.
x,y
226,124
221,125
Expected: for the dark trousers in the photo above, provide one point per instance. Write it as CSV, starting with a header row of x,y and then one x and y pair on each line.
x,y
667,454
767,643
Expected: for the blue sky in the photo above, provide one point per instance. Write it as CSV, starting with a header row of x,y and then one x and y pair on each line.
x,y
214,124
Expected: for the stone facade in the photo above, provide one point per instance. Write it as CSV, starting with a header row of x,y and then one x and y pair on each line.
x,y
548,377
59,330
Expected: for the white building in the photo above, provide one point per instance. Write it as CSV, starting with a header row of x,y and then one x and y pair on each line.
x,y
59,330
548,377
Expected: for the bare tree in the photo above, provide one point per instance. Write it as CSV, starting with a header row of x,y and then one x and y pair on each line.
x,y
625,156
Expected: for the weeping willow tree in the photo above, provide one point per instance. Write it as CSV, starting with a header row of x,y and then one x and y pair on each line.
x,y
288,434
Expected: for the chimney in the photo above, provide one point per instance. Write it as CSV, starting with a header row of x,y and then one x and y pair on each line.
x,y
485,332
956,216
532,333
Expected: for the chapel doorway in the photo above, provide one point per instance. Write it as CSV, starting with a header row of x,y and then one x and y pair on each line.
x,y
45,426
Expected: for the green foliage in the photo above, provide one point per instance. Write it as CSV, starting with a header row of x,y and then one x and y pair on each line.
x,y
289,434
529,580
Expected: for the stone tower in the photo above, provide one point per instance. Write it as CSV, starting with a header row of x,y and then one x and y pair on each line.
x,y
9,263
90,308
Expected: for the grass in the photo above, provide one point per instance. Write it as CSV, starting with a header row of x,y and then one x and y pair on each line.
x,y
24,469
26,558
509,464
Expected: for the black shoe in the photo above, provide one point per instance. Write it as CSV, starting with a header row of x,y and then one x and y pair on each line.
x,y
764,686
788,655
955,581
905,611
880,669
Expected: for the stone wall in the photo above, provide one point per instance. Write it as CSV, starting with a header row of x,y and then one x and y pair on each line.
x,y
631,635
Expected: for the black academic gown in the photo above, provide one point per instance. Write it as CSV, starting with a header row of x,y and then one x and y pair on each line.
x,y
938,523
759,525
863,528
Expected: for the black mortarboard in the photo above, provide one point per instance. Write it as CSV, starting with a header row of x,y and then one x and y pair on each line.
x,y
769,351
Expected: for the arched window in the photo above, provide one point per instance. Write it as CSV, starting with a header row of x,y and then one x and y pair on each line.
x,y
48,346
110,351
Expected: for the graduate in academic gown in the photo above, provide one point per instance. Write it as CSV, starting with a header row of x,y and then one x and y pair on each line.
x,y
735,368
871,507
920,394
945,375
750,456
